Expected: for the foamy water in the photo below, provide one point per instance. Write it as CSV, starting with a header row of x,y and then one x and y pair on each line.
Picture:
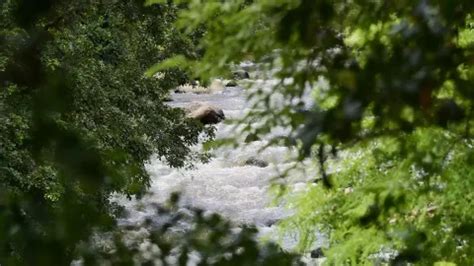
x,y
225,185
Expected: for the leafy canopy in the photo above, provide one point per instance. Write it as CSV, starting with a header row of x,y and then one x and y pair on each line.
x,y
78,119
390,84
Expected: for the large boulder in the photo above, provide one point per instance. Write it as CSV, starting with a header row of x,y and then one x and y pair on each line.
x,y
205,113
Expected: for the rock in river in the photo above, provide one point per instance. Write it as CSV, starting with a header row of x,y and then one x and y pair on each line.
x,y
231,83
251,137
205,113
317,253
241,74
256,162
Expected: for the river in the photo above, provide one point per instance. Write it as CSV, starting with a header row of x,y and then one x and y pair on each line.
x,y
226,184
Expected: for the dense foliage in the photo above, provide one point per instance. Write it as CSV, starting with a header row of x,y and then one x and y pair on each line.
x,y
78,119
391,86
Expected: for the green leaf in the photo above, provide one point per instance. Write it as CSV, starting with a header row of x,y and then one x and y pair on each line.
x,y
178,61
153,2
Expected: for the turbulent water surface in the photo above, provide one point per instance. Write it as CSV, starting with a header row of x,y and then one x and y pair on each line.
x,y
225,185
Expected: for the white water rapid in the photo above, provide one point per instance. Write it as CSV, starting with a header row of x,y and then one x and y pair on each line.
x,y
226,185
